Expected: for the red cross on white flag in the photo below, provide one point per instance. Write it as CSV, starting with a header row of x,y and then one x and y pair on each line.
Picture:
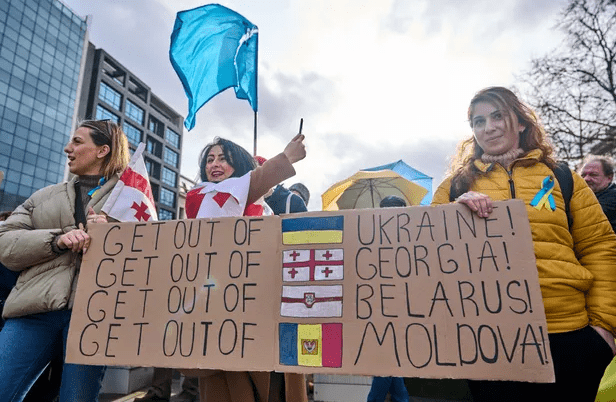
x,y
131,199
312,265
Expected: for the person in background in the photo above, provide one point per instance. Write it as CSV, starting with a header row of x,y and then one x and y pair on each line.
x,y
223,162
598,171
281,200
44,239
381,386
302,191
509,156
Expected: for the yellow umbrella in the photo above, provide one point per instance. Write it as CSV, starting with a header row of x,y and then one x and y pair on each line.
x,y
366,189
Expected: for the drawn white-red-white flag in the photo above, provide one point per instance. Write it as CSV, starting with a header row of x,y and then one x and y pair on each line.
x,y
131,199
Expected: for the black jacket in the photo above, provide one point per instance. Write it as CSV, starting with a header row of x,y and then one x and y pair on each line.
x,y
607,199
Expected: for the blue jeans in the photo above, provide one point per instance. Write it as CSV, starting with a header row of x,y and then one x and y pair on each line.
x,y
28,344
394,385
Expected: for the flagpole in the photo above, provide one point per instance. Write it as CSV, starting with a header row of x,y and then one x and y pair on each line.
x,y
256,90
255,136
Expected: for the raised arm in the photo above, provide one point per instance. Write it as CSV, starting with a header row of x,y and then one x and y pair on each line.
x,y
276,169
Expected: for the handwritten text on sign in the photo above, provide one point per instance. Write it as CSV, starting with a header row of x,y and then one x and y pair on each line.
x,y
421,291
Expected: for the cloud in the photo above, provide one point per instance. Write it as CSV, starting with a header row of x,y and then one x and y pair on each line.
x,y
485,20
374,81
287,97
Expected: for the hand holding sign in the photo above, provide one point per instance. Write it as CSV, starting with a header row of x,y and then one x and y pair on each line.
x,y
75,240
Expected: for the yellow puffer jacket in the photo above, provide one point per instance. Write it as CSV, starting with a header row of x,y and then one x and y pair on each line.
x,y
577,268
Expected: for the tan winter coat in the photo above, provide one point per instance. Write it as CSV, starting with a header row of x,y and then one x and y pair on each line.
x,y
48,279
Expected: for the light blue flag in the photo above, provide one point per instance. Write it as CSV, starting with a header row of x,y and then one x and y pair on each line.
x,y
214,48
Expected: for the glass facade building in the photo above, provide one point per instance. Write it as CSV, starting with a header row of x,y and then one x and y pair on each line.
x,y
41,45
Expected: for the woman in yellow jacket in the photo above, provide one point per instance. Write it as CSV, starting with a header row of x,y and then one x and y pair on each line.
x,y
508,157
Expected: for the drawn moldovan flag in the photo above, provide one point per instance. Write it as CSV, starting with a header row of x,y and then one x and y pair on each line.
x,y
131,199
311,301
311,345
312,265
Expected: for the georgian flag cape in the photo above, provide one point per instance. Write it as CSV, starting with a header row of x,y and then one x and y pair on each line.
x,y
226,198
131,199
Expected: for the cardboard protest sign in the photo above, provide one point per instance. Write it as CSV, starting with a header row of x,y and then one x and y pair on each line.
x,y
422,291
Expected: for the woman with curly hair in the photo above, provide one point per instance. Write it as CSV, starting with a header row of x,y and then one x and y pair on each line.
x,y
509,156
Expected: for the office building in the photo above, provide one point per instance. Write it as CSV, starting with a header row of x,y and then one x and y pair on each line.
x,y
41,45
110,91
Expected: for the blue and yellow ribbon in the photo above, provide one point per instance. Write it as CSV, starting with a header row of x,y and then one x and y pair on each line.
x,y
101,182
544,196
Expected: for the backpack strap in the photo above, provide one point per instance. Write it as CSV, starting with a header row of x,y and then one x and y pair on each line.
x,y
288,206
565,179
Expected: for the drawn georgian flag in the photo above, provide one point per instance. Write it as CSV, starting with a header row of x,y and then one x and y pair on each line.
x,y
131,199
311,301
312,265
310,345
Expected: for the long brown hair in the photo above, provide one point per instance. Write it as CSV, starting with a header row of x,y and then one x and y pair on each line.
x,y
533,136
106,132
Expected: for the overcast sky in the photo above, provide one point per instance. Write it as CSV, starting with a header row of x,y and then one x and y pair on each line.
x,y
375,81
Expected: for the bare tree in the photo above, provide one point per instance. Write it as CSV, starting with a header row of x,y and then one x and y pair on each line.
x,y
573,88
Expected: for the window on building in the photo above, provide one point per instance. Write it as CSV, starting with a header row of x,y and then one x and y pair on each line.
x,y
172,138
154,147
167,197
153,169
113,71
154,190
134,112
109,95
137,89
165,215
104,114
156,126
169,177
132,132
171,157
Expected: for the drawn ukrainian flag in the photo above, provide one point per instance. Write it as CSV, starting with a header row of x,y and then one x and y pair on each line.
x,y
311,345
313,230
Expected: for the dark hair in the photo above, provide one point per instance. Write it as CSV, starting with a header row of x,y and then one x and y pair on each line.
x,y
607,163
4,215
236,156
106,132
392,201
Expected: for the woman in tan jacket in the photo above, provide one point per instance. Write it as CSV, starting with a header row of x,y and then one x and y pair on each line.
x,y
44,239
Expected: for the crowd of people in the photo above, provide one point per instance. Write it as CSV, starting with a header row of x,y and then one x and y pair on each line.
x,y
508,155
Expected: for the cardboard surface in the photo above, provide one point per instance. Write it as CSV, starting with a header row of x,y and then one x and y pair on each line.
x,y
429,292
